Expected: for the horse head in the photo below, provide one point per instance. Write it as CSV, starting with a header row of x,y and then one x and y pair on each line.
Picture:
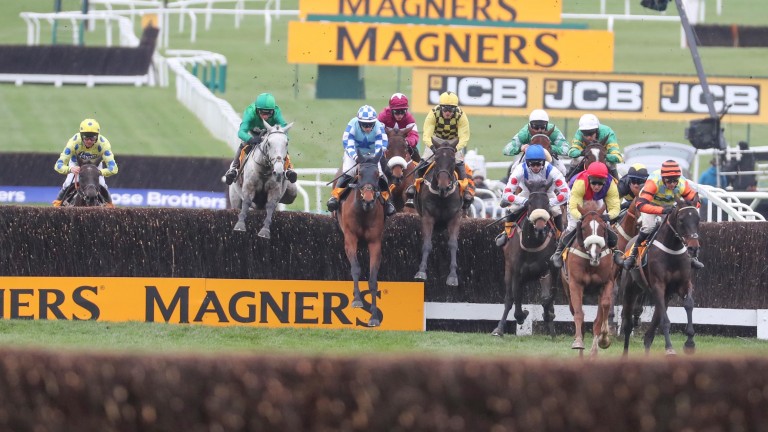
x,y
593,152
274,148
537,206
542,140
367,179
593,228
88,184
397,153
684,221
444,166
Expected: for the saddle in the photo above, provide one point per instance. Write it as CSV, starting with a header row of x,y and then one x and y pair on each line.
x,y
467,183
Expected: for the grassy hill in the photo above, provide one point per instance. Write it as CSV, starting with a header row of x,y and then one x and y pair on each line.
x,y
149,121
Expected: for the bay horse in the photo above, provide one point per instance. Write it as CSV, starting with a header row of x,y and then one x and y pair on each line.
x,y
263,183
626,228
526,259
361,217
88,190
667,272
593,152
439,203
398,158
588,269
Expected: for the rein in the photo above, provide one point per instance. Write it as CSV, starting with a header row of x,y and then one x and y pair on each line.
x,y
683,240
270,162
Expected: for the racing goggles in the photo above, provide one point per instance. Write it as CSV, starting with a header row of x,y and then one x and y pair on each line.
x,y
534,163
89,135
400,111
366,125
589,132
448,108
268,112
538,125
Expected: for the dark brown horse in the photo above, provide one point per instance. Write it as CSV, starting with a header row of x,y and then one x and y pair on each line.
x,y
361,218
593,152
88,190
667,271
526,259
627,228
439,203
402,166
588,269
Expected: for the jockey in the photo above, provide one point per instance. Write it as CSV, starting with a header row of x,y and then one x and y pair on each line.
x,y
537,168
396,116
593,184
446,121
83,145
538,123
366,134
661,190
263,110
631,184
590,130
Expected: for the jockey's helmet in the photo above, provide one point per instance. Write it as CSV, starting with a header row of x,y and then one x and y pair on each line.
x,y
366,113
398,101
597,170
670,169
535,152
638,172
449,99
265,101
538,115
89,127
588,122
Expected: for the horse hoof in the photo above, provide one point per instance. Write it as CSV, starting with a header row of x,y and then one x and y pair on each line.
x,y
689,348
422,276
497,332
578,344
240,226
357,303
452,281
521,318
670,352
264,233
604,342
374,322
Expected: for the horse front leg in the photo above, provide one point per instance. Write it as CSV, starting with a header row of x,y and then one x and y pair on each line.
x,y
577,292
427,225
350,248
272,198
247,196
658,313
374,251
508,299
600,328
626,313
548,301
690,345
453,246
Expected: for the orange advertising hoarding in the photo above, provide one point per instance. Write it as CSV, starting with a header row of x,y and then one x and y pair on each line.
x,y
258,303
349,44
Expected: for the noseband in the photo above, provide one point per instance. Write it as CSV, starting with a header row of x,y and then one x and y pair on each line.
x,y
265,161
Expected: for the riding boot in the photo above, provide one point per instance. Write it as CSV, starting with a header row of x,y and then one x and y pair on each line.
x,y
341,185
614,173
695,263
290,174
415,156
565,240
461,174
59,198
509,224
107,199
630,261
231,174
410,193
389,208
558,221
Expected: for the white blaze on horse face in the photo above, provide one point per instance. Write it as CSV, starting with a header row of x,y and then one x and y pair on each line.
x,y
596,153
594,238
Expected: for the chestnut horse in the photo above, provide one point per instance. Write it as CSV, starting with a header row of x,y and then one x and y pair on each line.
x,y
526,258
361,217
666,272
439,203
402,166
588,269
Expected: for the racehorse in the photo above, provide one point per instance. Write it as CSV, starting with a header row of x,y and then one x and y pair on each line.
x,y
88,191
263,181
402,166
526,259
588,269
361,217
439,203
626,227
593,152
667,272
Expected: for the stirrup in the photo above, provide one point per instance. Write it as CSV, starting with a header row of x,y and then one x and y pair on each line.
x,y
557,259
332,204
409,203
230,175
389,208
501,239
696,264
291,175
629,262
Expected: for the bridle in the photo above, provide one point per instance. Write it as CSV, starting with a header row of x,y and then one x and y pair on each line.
x,y
689,242
264,160
593,239
371,187
449,172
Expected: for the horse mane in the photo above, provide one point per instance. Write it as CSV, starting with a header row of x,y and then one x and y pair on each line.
x,y
590,206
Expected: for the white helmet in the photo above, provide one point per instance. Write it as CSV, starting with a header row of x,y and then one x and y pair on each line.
x,y
588,122
538,115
